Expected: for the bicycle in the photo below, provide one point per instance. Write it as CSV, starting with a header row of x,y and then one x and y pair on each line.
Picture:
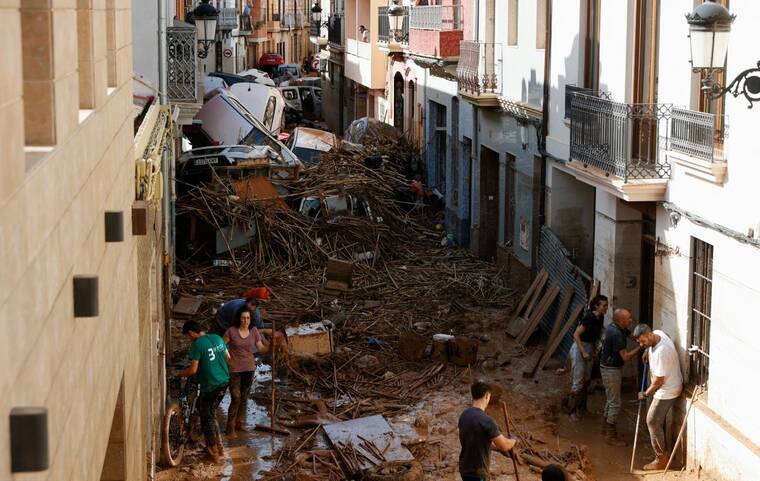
x,y
181,423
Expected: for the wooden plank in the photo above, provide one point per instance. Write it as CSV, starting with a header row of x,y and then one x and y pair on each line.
x,y
536,295
528,294
543,306
549,351
517,326
187,305
373,428
561,311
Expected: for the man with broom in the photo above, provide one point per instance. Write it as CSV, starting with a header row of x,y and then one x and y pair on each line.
x,y
478,434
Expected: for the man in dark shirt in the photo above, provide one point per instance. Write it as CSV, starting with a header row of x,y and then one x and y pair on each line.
x,y
227,314
611,362
478,433
582,353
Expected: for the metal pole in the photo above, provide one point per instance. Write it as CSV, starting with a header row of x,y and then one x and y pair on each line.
x,y
638,416
274,368
694,395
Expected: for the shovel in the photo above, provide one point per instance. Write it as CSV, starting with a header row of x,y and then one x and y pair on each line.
x,y
638,416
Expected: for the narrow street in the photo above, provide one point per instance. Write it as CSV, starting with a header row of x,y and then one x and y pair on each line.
x,y
379,240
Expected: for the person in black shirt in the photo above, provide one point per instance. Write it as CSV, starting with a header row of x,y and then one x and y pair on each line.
x,y
611,362
582,353
478,433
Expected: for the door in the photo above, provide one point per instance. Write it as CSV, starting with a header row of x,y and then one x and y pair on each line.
x,y
648,246
645,135
292,98
398,101
489,203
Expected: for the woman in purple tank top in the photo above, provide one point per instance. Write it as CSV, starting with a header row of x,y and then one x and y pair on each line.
x,y
242,341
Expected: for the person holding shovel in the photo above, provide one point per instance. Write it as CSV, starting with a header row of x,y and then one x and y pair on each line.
x,y
478,434
666,386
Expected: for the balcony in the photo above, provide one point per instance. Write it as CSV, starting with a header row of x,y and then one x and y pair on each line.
x,y
335,30
479,73
696,143
365,64
184,87
401,40
287,20
245,25
228,18
436,31
258,23
620,147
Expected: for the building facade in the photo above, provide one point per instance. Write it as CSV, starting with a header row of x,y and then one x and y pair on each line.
x,y
645,179
83,231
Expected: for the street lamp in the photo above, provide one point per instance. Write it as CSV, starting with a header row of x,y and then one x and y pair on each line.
x,y
316,19
395,19
205,17
709,30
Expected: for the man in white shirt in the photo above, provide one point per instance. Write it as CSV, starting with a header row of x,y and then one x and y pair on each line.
x,y
667,382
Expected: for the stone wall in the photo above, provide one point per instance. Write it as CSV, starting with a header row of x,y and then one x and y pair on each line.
x,y
52,202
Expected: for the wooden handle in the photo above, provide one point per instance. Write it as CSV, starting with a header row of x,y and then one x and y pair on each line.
x,y
511,451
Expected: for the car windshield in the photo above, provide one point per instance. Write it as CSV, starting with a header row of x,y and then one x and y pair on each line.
x,y
307,156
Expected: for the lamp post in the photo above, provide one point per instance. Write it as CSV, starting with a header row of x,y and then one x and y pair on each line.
x,y
709,31
205,17
316,20
395,19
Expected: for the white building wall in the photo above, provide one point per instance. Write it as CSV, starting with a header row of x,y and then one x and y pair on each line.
x,y
145,40
724,428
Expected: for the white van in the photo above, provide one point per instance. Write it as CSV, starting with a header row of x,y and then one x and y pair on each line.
x,y
265,103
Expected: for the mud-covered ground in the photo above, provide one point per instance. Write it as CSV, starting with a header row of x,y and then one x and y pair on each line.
x,y
534,405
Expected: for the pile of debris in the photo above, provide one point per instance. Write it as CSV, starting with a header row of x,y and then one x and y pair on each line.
x,y
385,334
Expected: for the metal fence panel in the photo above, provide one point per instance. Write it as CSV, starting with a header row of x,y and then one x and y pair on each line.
x,y
182,72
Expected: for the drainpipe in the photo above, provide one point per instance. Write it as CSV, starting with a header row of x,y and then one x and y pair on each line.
x,y
475,131
544,126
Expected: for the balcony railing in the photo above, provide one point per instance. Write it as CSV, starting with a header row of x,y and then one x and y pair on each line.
x,y
287,20
625,140
384,27
335,29
245,24
436,17
228,18
182,85
697,134
479,68
571,90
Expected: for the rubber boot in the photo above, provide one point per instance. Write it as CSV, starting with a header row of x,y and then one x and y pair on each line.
x,y
211,449
658,464
605,426
572,407
611,437
219,447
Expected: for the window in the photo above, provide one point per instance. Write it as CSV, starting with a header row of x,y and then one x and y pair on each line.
x,y
701,310
512,12
441,141
540,24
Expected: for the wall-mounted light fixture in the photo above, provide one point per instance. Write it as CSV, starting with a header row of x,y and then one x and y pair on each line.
x,y
114,226
29,439
396,20
85,296
709,30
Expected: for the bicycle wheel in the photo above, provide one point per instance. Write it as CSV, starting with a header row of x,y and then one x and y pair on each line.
x,y
172,436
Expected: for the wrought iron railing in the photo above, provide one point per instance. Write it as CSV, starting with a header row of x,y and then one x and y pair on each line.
x,y
384,27
287,20
573,89
697,134
436,17
335,29
182,71
245,24
479,68
625,140
228,18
